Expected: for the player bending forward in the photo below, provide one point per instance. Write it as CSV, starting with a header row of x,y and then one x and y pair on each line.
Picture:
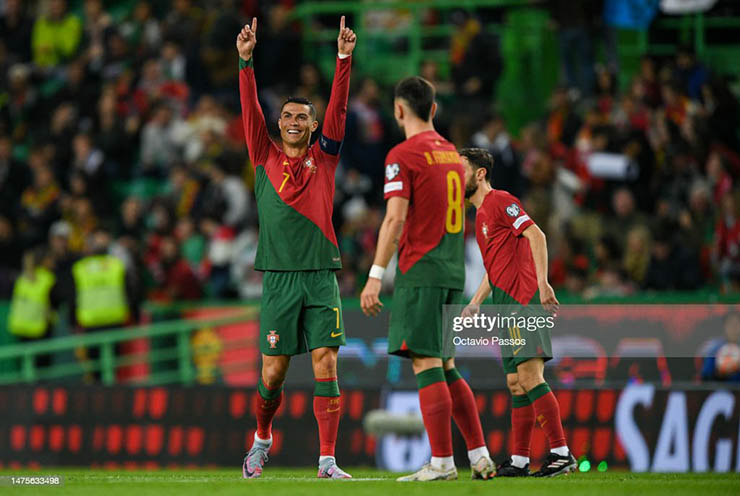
x,y
423,186
297,250
515,256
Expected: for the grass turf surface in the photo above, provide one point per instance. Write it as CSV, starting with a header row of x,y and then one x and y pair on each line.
x,y
302,481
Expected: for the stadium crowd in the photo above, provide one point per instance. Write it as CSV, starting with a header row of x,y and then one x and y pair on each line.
x,y
133,128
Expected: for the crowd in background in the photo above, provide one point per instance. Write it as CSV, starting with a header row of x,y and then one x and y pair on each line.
x,y
133,128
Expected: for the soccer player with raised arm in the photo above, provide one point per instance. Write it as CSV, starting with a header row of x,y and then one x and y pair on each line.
x,y
424,219
515,256
297,248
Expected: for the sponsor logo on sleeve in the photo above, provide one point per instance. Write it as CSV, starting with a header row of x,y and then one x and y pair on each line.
x,y
392,170
512,210
521,220
394,186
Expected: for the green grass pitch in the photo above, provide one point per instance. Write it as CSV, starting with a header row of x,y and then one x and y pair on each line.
x,y
302,481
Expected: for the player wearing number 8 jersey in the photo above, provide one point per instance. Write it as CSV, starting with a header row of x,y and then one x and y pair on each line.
x,y
424,217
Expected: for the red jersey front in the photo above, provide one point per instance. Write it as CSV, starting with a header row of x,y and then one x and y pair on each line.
x,y
295,196
427,170
499,225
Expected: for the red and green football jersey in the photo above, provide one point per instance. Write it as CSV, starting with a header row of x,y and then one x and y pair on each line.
x,y
426,169
295,196
499,225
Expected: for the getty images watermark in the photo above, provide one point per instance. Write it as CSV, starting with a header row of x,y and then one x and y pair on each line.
x,y
504,329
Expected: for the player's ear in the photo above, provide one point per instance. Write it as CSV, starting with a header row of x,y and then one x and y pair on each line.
x,y
434,111
314,125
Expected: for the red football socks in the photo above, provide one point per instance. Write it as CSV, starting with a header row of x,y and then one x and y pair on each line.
x,y
436,410
326,406
464,410
547,411
266,408
522,424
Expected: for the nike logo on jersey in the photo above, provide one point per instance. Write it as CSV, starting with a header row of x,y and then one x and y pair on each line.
x,y
336,334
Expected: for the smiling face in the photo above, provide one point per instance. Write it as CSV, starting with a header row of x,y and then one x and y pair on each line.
x,y
296,124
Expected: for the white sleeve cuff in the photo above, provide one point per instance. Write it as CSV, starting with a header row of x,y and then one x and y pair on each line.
x,y
343,55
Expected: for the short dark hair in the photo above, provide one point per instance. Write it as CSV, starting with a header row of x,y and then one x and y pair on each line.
x,y
479,158
302,101
418,93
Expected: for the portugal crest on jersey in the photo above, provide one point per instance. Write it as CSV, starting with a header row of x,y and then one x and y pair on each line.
x,y
311,166
392,170
512,210
273,339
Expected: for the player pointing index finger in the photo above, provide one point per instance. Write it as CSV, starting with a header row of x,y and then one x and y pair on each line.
x,y
297,249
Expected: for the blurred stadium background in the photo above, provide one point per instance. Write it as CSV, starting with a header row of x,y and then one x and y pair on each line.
x,y
616,121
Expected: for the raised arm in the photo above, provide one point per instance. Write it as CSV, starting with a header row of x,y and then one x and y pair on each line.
x,y
332,132
255,129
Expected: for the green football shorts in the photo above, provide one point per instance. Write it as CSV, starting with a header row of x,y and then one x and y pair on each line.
x,y
529,343
301,311
416,321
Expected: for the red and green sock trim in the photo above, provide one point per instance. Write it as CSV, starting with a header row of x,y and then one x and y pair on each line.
x,y
452,375
326,387
520,400
267,393
430,376
538,392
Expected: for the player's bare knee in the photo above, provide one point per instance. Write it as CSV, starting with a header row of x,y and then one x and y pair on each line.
x,y
449,364
324,361
422,363
512,382
528,379
273,373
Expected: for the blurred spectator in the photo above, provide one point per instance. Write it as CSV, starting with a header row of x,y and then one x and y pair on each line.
x,y
103,297
10,256
141,29
13,178
172,61
39,207
175,280
562,121
690,73
15,31
88,161
226,198
115,135
192,243
506,164
471,49
35,297
574,20
159,148
276,58
626,216
727,248
722,358
663,272
366,134
131,223
56,35
217,49
637,254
